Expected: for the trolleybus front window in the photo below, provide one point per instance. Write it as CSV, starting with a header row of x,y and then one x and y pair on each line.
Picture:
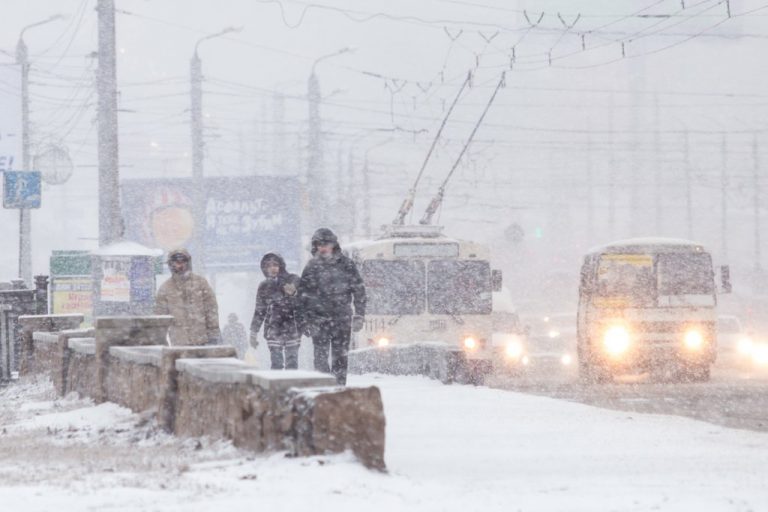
x,y
459,287
394,287
685,274
626,278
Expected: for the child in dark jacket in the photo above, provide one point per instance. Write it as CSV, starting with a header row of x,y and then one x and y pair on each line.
x,y
277,308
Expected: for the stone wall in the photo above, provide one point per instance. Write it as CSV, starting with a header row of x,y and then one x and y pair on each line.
x,y
197,391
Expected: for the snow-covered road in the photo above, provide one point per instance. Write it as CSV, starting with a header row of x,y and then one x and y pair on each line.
x,y
448,448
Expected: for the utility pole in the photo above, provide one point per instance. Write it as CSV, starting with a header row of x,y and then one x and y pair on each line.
x,y
590,195
278,144
318,200
611,180
25,219
25,224
198,147
658,189
724,198
688,186
352,214
198,186
756,202
366,198
110,221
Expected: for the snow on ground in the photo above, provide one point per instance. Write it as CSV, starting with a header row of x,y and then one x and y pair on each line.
x,y
448,448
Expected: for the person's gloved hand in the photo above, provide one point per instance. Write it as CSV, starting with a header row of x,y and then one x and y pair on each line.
x,y
358,322
254,340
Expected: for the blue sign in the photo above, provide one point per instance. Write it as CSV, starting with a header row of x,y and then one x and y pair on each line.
x,y
21,189
244,218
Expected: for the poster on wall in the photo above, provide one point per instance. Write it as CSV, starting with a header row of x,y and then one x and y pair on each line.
x,y
71,295
244,218
115,281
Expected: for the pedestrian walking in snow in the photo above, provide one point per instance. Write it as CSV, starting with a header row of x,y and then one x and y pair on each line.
x,y
234,334
190,300
330,286
277,309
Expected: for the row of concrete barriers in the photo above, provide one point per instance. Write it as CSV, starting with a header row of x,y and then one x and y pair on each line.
x,y
203,391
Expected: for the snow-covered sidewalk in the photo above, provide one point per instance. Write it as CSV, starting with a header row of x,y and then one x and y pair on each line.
x,y
448,448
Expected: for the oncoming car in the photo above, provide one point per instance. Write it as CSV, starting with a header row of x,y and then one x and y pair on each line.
x,y
737,349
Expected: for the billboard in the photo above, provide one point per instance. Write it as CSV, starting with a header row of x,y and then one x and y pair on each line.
x,y
245,217
10,117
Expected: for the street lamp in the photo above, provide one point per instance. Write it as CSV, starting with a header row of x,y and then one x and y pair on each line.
x,y
25,224
196,112
315,191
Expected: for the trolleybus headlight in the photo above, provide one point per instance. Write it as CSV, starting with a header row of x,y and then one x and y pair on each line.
x,y
693,339
760,354
514,349
470,343
745,346
382,342
616,340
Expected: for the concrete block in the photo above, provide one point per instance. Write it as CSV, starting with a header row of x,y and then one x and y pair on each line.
x,y
332,420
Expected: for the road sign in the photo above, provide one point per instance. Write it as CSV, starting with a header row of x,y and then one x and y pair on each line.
x,y
21,189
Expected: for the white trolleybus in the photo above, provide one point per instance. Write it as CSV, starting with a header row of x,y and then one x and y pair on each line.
x,y
425,287
648,305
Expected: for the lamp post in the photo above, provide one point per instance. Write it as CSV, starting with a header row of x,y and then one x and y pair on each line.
x,y
25,222
198,144
317,198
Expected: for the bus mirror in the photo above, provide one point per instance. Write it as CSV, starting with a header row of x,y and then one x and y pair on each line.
x,y
496,280
725,279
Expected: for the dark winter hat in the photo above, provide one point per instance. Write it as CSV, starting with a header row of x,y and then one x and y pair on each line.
x,y
272,256
324,236
179,255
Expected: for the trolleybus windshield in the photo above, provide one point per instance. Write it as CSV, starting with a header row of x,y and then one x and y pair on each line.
x,y
628,278
685,274
457,287
394,287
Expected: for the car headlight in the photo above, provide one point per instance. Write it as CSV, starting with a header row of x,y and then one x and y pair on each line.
x,y
553,333
693,339
566,360
760,354
745,346
616,340
470,343
383,341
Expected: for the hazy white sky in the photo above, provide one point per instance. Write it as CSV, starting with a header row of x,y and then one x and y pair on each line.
x,y
702,75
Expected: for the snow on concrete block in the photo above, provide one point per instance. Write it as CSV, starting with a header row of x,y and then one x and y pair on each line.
x,y
45,337
151,355
226,370
334,420
85,346
133,330
282,380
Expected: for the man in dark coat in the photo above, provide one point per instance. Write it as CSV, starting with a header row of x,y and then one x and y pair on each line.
x,y
277,309
330,285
